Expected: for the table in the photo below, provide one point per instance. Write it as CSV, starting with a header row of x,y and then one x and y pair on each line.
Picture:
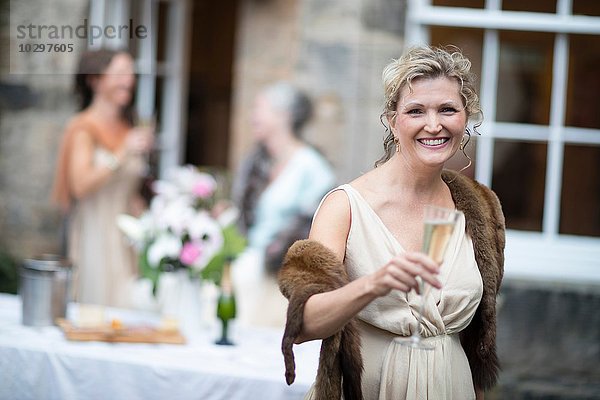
x,y
39,363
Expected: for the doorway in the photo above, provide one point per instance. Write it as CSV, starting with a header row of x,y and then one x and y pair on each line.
x,y
210,82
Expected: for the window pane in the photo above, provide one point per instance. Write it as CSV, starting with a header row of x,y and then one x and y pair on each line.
x,y
470,41
525,77
161,31
586,7
580,197
136,15
519,179
460,160
545,6
583,99
158,100
460,3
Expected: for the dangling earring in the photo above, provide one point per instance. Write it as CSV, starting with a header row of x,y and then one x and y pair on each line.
x,y
397,142
463,144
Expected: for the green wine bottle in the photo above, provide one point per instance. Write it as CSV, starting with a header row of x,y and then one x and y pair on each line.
x,y
226,308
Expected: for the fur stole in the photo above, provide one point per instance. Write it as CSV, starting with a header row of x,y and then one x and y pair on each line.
x,y
311,268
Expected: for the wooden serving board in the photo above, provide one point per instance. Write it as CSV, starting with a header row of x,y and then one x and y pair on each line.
x,y
131,334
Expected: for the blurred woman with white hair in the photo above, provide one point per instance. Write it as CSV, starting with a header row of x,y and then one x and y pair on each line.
x,y
277,188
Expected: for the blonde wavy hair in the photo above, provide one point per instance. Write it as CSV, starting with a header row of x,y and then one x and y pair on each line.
x,y
427,62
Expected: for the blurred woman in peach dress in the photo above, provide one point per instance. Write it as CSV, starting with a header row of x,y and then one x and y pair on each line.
x,y
99,171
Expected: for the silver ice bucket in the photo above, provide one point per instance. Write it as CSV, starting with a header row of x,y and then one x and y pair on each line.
x,y
44,290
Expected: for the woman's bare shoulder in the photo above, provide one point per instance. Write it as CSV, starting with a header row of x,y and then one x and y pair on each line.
x,y
335,207
331,224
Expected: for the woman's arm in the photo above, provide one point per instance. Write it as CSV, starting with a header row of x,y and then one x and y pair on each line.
x,y
84,177
326,313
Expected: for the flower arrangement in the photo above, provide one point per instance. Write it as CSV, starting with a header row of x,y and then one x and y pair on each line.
x,y
184,227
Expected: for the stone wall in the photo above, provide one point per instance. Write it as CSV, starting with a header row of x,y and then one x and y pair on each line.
x,y
343,66
266,50
34,109
334,49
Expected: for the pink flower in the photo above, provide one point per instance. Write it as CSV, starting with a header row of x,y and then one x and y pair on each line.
x,y
190,252
204,186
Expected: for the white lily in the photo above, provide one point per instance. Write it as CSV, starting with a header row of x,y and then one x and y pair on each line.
x,y
175,215
165,245
131,227
165,189
183,177
207,233
187,177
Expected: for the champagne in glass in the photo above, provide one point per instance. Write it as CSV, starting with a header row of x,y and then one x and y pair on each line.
x,y
436,238
145,124
439,225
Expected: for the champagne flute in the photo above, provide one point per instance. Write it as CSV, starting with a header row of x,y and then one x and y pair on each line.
x,y
146,124
439,225
226,308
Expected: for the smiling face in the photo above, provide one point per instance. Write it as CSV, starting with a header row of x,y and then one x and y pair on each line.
x,y
117,81
429,122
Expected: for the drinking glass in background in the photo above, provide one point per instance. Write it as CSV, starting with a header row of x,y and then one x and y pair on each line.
x,y
439,225
144,136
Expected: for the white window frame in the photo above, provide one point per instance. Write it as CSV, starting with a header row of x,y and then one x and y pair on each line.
x,y
175,71
545,255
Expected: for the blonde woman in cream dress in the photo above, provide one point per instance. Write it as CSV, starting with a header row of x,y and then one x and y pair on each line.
x,y
375,225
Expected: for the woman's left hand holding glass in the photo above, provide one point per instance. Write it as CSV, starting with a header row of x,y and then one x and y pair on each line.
x,y
140,140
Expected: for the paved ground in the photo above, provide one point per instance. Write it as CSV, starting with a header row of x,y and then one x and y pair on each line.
x,y
548,342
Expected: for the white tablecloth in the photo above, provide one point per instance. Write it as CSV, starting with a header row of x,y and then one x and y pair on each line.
x,y
39,363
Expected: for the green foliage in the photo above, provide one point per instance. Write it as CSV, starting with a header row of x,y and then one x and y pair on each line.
x,y
9,275
146,270
233,244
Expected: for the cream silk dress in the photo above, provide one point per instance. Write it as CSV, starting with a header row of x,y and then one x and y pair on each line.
x,y
393,371
105,265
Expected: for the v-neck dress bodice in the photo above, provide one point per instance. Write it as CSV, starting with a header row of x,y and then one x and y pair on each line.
x,y
394,371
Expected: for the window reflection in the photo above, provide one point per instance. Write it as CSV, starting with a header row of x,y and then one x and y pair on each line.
x,y
161,31
524,96
586,7
519,180
544,6
136,16
158,99
580,197
525,77
460,3
460,160
470,41
583,88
